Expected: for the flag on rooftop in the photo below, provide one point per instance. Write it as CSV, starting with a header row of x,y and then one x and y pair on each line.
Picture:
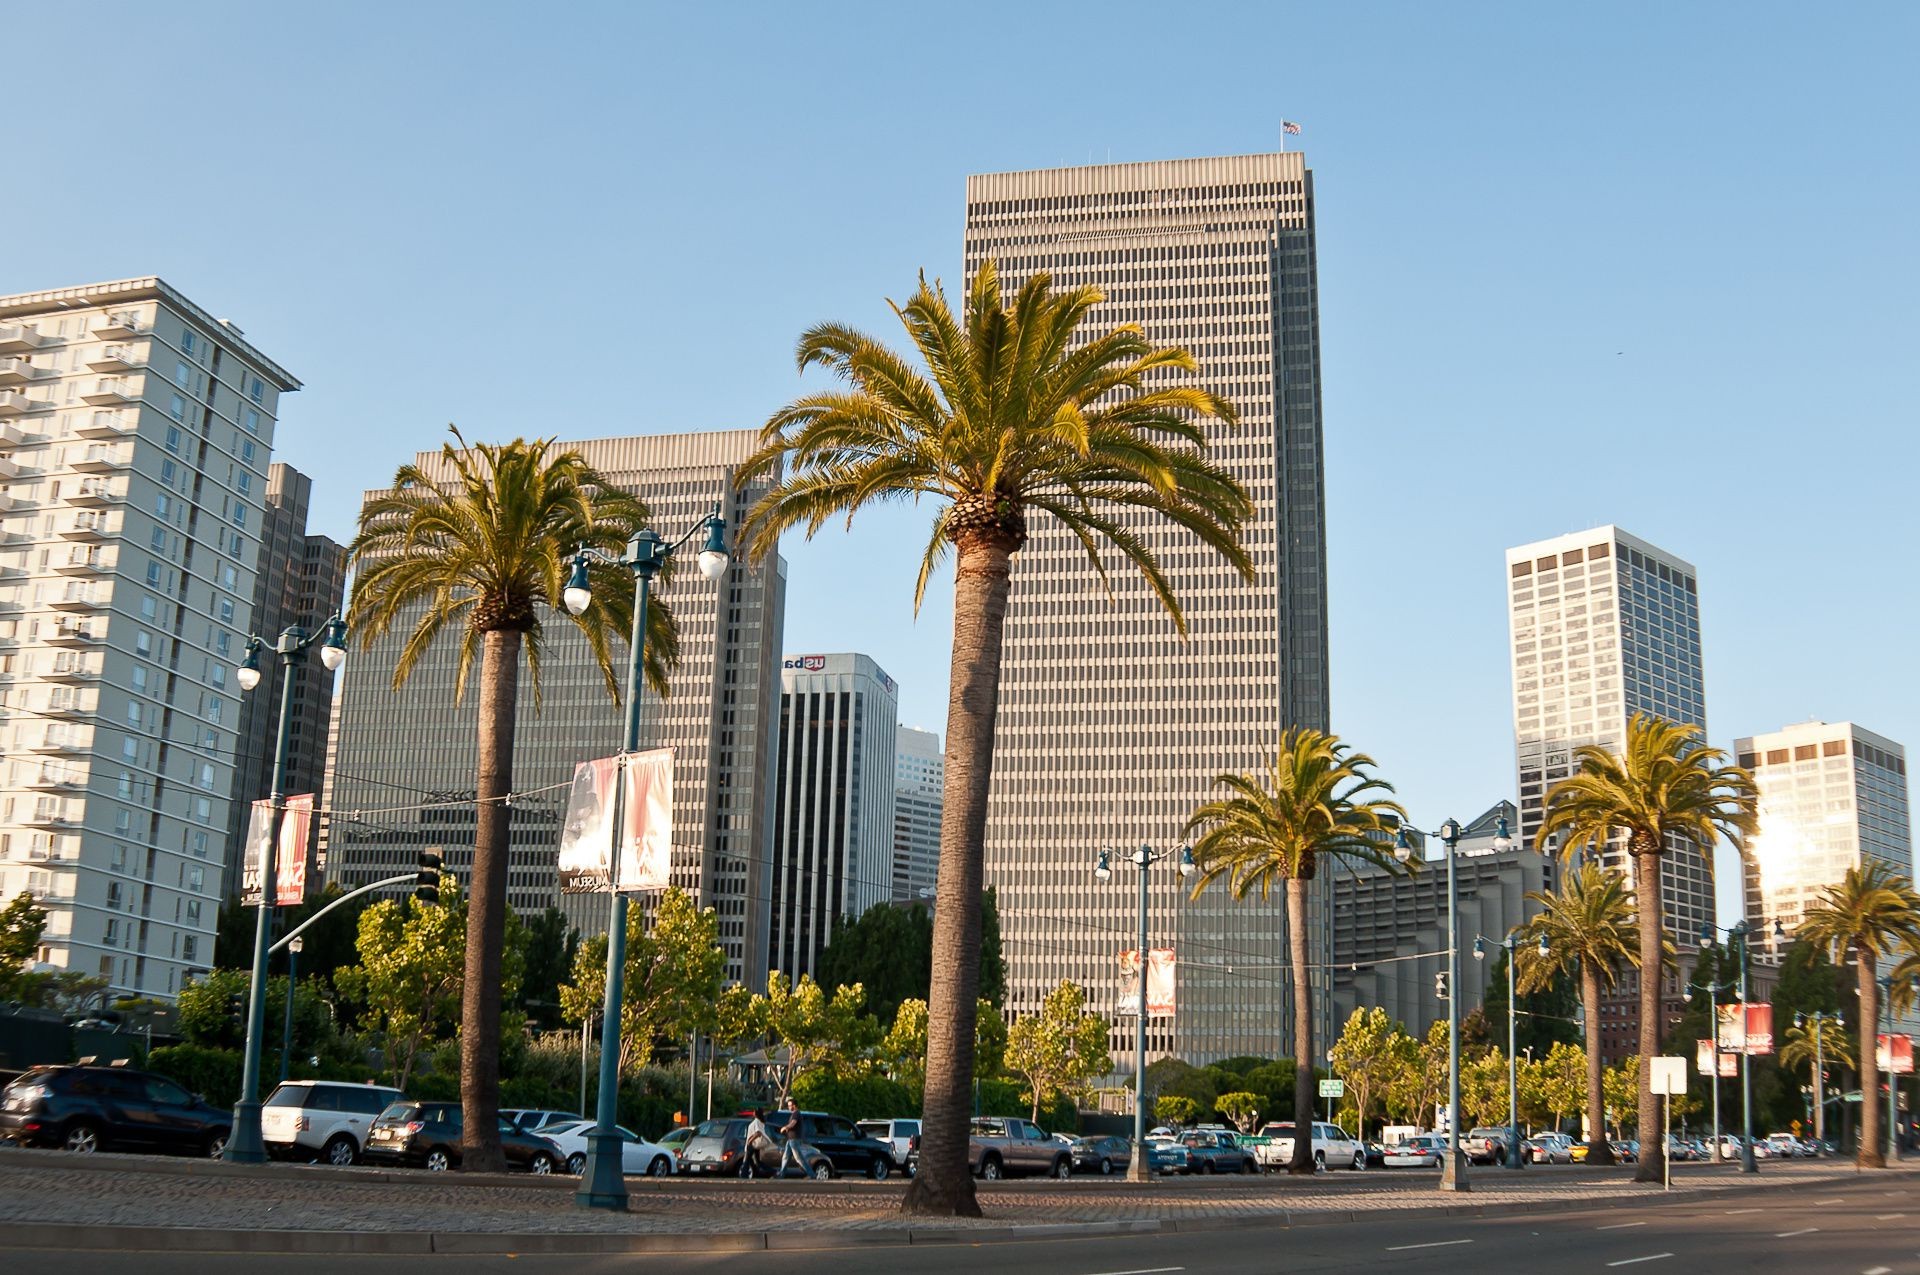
x,y
1290,128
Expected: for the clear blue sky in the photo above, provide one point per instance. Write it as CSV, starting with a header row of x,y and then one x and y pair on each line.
x,y
1636,263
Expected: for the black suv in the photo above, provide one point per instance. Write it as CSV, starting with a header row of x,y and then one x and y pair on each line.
x,y
86,1109
427,1135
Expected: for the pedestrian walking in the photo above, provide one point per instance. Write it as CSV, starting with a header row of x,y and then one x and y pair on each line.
x,y
756,1140
790,1152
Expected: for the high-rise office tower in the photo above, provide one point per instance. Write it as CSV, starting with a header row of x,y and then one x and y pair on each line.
x,y
919,795
1832,796
1604,626
302,580
1111,725
134,432
833,822
394,749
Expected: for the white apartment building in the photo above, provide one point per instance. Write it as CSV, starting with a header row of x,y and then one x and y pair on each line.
x,y
919,795
1605,625
134,434
833,808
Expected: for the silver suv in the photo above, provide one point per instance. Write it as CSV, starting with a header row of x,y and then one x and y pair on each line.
x,y
324,1120
902,1135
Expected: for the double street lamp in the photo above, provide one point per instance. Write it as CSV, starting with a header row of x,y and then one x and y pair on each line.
x,y
1453,1175
246,1145
1514,1159
1739,933
603,1185
1714,988
1821,1021
1138,1170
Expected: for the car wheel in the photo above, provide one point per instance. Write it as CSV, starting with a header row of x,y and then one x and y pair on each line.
x,y
1319,1162
1106,1166
217,1144
658,1167
577,1163
339,1151
823,1171
1359,1161
1246,1166
1063,1168
82,1138
542,1164
439,1160
880,1168
990,1169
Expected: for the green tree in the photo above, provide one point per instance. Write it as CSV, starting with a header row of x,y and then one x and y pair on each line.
x,y
1622,1084
888,951
1588,928
1543,1016
1312,807
21,923
904,1047
1418,1086
1019,413
1870,913
1365,1057
1557,1083
1664,789
1060,1050
206,1014
993,963
1483,1089
552,944
1242,1108
483,543
409,975
1175,1109
814,1031
674,972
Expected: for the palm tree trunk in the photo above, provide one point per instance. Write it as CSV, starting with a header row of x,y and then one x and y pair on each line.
x,y
943,1186
1872,1134
1303,1086
1599,1150
487,907
1646,889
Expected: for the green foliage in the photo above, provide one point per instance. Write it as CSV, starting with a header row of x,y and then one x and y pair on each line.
x,y
1176,1109
1060,1050
993,963
68,991
856,1097
1242,1109
888,951
211,1072
1554,1086
1274,1083
1621,1085
813,1029
408,981
675,970
1366,1056
1546,1013
903,1050
206,1017
551,944
21,923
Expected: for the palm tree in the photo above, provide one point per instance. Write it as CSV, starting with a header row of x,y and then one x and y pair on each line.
x,y
1812,1044
1588,926
1665,788
482,543
1279,828
1018,413
1872,912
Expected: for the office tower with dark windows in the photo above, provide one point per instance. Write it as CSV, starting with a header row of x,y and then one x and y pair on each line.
x,y
1604,626
398,752
833,804
1112,725
919,795
134,433
302,581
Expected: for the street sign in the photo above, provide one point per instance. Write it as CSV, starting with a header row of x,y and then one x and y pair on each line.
x,y
1668,1075
1333,1089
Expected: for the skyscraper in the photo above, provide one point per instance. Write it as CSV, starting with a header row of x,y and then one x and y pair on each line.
x,y
1111,725
397,751
1605,625
134,433
833,826
919,795
302,580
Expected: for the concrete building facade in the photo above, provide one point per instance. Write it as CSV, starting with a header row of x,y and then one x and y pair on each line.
x,y
834,802
134,434
1111,725
919,796
397,750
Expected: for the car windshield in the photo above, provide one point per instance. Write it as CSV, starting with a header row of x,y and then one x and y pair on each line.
x,y
288,1096
712,1129
397,1111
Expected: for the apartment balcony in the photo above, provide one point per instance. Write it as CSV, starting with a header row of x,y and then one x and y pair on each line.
x,y
119,325
118,358
94,494
16,371
9,502
11,434
111,392
17,338
85,529
107,425
57,745
48,820
13,402
89,565
79,600
69,635
8,468
51,779
71,672
101,460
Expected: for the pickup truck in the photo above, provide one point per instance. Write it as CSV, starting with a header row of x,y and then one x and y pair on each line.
x,y
1333,1147
1011,1147
1486,1145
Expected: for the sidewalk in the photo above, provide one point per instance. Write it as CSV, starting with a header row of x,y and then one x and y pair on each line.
x,y
53,1199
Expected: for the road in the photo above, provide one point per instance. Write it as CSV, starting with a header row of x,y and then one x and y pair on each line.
x,y
1869,1227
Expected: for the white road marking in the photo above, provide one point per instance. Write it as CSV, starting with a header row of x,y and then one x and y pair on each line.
x,y
1145,1270
1787,1235
1619,1226
1885,1217
1401,1248
1878,1270
1731,1212
1832,1199
1630,1261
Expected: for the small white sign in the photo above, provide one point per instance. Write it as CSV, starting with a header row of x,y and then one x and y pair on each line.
x,y
1668,1075
1333,1089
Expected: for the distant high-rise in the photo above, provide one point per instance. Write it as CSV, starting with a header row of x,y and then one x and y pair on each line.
x,y
302,580
833,823
1112,725
1604,626
394,749
134,433
919,795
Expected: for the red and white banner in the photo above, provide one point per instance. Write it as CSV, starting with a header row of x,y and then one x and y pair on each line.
x,y
1894,1054
254,856
1160,980
1746,1029
590,862
290,860
1703,1060
646,842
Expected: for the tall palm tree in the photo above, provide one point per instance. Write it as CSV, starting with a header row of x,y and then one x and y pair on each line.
x,y
481,543
1019,412
1663,789
1588,925
1278,828
1872,912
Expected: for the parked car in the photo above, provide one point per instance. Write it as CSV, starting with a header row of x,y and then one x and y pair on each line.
x,y
427,1135
86,1109
1102,1155
850,1150
1548,1148
1421,1151
534,1119
1003,1148
1333,1147
323,1120
1626,1150
1165,1155
1217,1152
718,1147
675,1140
902,1135
1787,1147
1376,1155
1488,1144
637,1155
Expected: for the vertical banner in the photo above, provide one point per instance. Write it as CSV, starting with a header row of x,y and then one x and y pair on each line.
x,y
290,859
259,829
1160,983
1895,1054
646,835
1746,1029
586,833
1703,1060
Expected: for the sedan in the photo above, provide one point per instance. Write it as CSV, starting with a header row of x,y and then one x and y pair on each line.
x,y
718,1147
1421,1151
1548,1148
428,1135
637,1155
1102,1155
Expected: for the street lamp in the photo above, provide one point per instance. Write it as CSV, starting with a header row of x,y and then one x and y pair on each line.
x,y
1820,1021
1514,1159
603,1185
294,948
1453,1176
1893,1090
1138,1170
1739,932
1714,988
245,1146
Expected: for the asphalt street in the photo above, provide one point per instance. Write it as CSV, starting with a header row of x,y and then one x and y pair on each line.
x,y
1869,1227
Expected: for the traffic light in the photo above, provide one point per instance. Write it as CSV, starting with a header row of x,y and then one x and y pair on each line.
x,y
236,1006
426,886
